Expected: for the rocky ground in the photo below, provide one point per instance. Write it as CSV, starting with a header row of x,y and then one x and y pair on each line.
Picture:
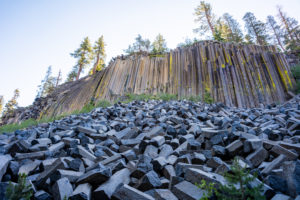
x,y
155,150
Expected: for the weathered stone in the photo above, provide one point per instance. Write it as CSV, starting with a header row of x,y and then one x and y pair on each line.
x,y
86,130
149,181
196,175
95,176
71,175
169,171
198,158
41,179
157,141
106,190
151,151
29,168
5,159
257,157
279,150
126,192
42,195
234,147
62,189
158,163
274,164
85,153
277,183
281,197
34,155
162,194
165,151
188,191
82,192
214,162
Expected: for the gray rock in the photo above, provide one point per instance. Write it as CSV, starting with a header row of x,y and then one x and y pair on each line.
x,y
188,191
95,176
106,190
149,181
126,192
257,157
42,195
5,159
82,192
62,189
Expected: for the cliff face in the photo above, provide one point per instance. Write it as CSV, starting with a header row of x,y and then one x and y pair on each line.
x,y
237,75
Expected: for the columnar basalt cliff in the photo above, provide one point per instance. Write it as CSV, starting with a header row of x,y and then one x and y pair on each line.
x,y
235,74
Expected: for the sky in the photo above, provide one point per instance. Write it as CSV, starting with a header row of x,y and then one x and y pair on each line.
x,y
35,34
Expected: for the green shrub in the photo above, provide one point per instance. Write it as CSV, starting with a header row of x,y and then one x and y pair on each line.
x,y
194,98
207,97
237,176
103,104
21,190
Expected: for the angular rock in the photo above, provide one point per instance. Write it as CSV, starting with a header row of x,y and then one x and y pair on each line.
x,y
62,189
82,192
126,192
106,190
149,181
188,191
95,176
257,157
5,159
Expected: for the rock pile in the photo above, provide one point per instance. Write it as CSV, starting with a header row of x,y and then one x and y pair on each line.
x,y
23,113
155,150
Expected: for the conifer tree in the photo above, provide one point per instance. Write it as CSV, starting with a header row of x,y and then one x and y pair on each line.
x,y
72,75
140,45
234,32
58,78
47,85
159,45
255,28
292,30
276,31
221,31
99,53
12,104
205,17
84,55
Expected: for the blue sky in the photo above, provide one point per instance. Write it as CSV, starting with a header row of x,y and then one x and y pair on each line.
x,y
37,33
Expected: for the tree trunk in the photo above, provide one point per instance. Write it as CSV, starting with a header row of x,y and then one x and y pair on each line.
x,y
96,64
283,19
209,23
277,37
79,72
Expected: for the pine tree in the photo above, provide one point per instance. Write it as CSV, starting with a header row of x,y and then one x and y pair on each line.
x,y
276,31
255,28
159,45
84,55
1,104
221,31
47,85
99,53
205,17
140,45
58,78
72,75
12,104
234,32
292,31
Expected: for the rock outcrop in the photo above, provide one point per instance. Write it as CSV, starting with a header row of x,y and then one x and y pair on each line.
x,y
235,74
